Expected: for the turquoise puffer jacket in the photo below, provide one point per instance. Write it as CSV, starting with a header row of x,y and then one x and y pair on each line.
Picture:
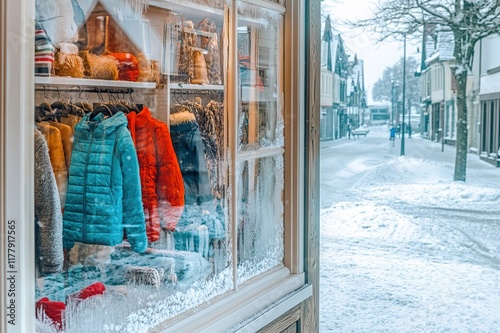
x,y
104,202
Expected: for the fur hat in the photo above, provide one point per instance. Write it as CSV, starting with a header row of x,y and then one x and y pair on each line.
x,y
67,61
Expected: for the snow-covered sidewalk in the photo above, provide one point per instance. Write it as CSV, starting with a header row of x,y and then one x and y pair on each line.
x,y
403,247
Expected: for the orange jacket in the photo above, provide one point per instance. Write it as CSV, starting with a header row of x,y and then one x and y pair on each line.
x,y
161,177
56,151
67,140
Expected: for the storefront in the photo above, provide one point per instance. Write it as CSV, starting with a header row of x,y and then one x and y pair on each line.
x,y
160,164
490,129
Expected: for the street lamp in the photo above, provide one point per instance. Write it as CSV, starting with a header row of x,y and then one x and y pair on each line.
x,y
404,97
392,103
394,93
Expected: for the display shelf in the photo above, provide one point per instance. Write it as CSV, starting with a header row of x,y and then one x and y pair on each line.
x,y
69,81
186,86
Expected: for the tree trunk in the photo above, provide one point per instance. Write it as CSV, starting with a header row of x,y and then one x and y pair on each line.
x,y
461,145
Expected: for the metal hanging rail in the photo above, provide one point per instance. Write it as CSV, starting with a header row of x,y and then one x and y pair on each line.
x,y
96,90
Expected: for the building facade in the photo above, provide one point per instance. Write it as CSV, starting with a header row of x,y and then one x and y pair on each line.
x,y
438,93
356,104
438,88
485,121
154,176
379,114
334,77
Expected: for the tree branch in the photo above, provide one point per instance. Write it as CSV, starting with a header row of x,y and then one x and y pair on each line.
x,y
425,7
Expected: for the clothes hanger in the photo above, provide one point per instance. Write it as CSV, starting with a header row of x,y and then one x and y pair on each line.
x,y
73,108
101,108
120,107
45,106
135,107
59,108
39,114
85,106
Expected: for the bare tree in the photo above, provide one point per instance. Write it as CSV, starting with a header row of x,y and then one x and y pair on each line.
x,y
468,20
382,89
327,7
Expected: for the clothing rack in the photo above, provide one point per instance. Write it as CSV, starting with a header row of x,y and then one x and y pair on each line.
x,y
96,90
180,95
196,91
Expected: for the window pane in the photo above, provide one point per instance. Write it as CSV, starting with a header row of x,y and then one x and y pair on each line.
x,y
131,226
260,115
260,221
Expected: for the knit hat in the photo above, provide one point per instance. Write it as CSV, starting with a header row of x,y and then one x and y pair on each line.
x,y
44,53
51,309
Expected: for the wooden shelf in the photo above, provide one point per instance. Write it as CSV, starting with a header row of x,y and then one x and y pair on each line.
x,y
182,86
69,81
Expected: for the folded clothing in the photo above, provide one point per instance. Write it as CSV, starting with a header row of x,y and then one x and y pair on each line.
x,y
189,266
44,53
145,275
122,260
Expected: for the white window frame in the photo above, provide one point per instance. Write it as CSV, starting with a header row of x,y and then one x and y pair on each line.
x,y
280,289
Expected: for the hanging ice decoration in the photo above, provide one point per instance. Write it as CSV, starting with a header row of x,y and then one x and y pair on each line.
x,y
131,8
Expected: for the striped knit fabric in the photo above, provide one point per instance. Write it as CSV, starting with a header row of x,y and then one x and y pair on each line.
x,y
44,53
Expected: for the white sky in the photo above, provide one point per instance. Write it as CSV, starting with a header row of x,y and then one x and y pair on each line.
x,y
376,56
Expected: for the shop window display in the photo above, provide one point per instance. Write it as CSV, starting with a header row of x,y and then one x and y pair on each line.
x,y
260,169
132,187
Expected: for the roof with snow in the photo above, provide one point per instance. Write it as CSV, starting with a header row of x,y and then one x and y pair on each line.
x,y
442,49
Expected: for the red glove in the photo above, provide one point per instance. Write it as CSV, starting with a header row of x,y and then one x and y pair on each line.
x,y
52,310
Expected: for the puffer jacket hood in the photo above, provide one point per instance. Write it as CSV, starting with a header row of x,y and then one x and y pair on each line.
x,y
104,192
161,178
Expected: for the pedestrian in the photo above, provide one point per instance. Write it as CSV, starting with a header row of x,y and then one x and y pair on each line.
x,y
392,134
348,130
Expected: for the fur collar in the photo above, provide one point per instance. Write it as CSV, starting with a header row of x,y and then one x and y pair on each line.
x,y
182,118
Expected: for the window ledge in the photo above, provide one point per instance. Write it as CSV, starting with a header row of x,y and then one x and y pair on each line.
x,y
278,290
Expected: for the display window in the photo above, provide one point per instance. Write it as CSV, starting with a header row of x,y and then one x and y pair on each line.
x,y
260,168
159,158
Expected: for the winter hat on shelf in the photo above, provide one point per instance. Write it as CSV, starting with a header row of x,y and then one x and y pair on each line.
x,y
50,309
67,61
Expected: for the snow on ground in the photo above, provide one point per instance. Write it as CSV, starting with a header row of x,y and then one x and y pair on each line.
x,y
403,247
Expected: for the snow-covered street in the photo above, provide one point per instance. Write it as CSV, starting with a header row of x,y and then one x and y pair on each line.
x,y
403,247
